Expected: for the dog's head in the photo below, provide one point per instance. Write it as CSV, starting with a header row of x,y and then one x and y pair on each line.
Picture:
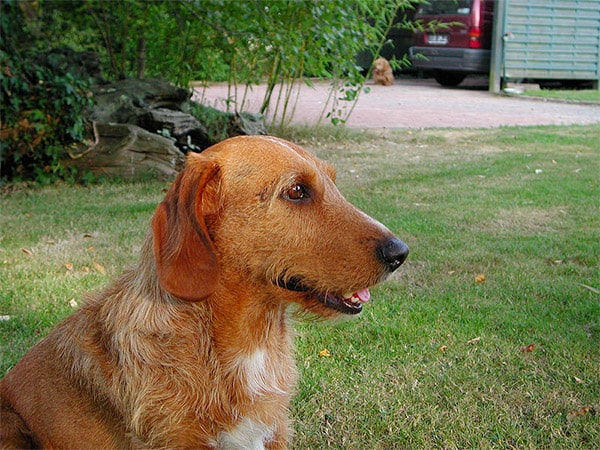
x,y
380,65
263,213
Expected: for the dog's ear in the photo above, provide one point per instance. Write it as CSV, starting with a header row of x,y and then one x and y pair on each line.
x,y
184,253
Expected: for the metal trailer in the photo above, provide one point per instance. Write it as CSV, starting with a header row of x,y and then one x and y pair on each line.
x,y
546,41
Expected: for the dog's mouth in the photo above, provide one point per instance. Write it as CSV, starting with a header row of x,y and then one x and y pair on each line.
x,y
350,303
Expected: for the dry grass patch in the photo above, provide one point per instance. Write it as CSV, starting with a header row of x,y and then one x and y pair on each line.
x,y
528,220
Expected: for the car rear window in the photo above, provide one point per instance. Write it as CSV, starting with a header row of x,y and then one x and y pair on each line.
x,y
441,7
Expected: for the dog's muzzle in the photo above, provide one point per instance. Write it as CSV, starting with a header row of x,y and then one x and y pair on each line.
x,y
391,253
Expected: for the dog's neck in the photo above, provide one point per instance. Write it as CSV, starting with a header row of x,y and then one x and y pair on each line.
x,y
252,339
238,322
246,338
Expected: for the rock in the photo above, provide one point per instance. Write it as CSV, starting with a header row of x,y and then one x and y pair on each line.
x,y
188,132
159,107
145,125
128,151
221,125
125,100
154,105
247,124
142,125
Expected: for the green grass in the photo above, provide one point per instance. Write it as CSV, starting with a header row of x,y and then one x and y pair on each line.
x,y
584,95
435,360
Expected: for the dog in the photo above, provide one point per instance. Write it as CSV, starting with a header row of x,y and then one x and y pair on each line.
x,y
382,72
192,348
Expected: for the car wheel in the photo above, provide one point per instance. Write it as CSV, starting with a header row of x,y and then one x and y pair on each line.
x,y
449,78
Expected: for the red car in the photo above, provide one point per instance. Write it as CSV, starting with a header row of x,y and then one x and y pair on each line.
x,y
455,39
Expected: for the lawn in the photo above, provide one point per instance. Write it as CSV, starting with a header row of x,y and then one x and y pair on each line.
x,y
487,337
584,95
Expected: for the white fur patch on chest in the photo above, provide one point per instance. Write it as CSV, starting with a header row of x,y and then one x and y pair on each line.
x,y
258,374
247,435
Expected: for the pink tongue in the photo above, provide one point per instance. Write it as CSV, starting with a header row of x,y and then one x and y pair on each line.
x,y
363,295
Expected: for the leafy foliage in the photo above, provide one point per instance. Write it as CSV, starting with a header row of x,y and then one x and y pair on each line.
x,y
282,42
41,109
287,42
243,43
42,114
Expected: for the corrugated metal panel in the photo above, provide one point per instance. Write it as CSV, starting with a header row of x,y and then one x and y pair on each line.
x,y
552,39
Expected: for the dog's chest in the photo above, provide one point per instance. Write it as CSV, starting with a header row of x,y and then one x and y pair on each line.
x,y
258,373
259,378
247,434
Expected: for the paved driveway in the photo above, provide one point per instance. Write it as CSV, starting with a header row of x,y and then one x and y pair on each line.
x,y
411,103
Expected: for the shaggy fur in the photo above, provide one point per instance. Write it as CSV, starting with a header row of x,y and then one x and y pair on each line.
x,y
382,72
191,348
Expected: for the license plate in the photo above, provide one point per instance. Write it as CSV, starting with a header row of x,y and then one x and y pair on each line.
x,y
437,39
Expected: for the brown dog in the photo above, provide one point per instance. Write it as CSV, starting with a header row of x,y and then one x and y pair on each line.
x,y
191,348
382,72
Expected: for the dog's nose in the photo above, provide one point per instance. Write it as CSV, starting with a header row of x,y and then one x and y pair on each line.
x,y
392,252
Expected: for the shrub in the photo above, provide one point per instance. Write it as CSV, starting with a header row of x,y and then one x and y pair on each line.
x,y
41,109
42,101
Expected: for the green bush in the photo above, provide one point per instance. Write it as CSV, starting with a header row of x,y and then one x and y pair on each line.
x,y
42,101
42,111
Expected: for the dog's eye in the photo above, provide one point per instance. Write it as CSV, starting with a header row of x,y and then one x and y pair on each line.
x,y
295,192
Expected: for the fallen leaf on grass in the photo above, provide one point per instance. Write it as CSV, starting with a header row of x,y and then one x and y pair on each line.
x,y
69,266
324,352
72,303
27,251
579,380
474,340
88,235
480,278
581,412
528,348
443,348
99,268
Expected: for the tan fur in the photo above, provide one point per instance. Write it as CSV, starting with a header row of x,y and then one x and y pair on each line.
x,y
191,348
382,72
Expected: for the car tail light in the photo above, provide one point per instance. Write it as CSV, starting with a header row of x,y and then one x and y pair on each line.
x,y
474,37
